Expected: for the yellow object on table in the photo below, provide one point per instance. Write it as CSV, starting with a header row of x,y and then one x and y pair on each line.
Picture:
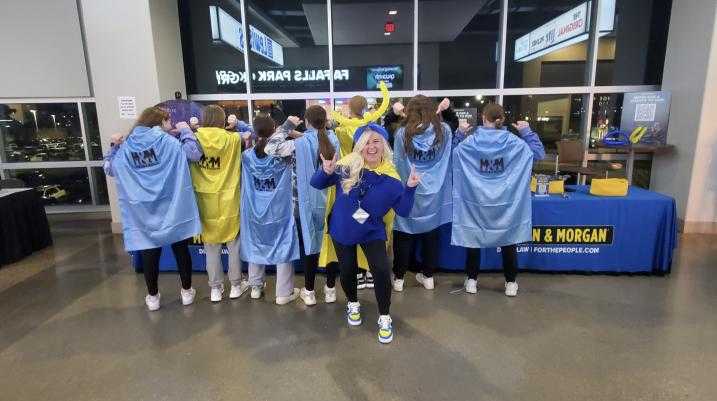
x,y
609,187
556,187
533,184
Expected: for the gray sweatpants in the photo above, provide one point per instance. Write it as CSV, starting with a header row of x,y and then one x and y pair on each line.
x,y
284,277
215,271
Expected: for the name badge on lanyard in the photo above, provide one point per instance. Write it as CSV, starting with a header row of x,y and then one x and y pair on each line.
x,y
361,215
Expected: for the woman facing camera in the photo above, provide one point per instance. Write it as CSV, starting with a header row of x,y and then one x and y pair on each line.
x,y
156,197
363,197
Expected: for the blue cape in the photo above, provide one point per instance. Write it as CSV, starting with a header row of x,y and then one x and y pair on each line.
x,y
268,231
154,190
312,202
491,190
432,204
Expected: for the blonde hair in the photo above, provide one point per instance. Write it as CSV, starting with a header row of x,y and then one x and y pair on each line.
x,y
354,163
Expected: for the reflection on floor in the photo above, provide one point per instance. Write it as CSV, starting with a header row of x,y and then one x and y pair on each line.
x,y
74,327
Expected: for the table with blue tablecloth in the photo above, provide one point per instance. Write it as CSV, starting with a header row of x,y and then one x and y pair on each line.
x,y
578,233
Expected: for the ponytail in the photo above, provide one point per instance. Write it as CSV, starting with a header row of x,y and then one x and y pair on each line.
x,y
494,113
316,116
264,127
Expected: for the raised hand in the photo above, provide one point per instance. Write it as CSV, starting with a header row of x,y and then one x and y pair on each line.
x,y
414,178
117,139
180,125
231,121
329,166
398,109
520,125
463,125
294,120
443,105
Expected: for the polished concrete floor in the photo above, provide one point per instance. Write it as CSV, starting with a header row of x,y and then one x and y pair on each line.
x,y
74,327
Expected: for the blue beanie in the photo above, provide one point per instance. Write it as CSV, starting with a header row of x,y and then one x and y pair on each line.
x,y
370,126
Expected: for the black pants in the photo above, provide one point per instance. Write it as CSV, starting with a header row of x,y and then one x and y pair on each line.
x,y
510,262
150,265
375,252
310,264
404,247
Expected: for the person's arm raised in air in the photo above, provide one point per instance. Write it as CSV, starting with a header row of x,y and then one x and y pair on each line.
x,y
531,138
278,145
190,145
326,175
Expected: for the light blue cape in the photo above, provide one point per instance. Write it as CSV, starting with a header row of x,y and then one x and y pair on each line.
x,y
491,190
268,231
154,190
312,202
432,204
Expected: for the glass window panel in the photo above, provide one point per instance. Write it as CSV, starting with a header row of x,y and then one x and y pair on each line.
x,y
281,109
607,111
92,128
101,195
59,186
212,46
547,43
290,50
632,42
462,53
372,44
553,117
237,107
31,132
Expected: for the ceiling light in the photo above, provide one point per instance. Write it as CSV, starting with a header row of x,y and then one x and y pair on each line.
x,y
392,12
387,33
479,97
467,104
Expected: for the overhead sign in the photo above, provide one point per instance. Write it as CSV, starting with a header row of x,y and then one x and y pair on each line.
x,y
227,29
298,76
565,30
645,116
392,75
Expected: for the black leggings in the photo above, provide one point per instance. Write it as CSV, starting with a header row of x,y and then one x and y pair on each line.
x,y
150,265
375,252
310,263
510,262
404,250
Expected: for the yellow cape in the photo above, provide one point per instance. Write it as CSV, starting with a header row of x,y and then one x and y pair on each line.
x,y
328,254
216,184
347,126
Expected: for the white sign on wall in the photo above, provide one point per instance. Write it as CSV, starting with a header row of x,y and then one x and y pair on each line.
x,y
568,28
230,31
127,107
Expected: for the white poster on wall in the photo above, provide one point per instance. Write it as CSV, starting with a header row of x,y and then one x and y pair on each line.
x,y
127,107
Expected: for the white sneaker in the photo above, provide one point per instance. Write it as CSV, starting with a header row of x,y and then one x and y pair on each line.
x,y
152,301
309,297
216,293
238,290
369,280
188,296
329,295
385,329
353,313
398,285
361,283
471,286
511,289
257,291
290,298
427,282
